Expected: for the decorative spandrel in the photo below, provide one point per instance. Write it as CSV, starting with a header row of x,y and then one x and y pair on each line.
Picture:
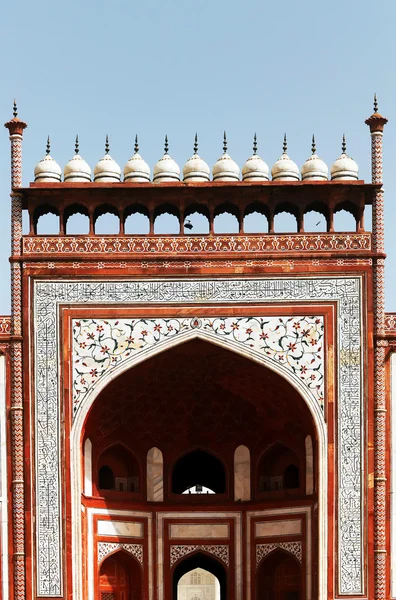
x,y
295,343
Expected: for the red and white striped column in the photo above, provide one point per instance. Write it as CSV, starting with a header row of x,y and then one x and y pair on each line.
x,y
376,123
15,128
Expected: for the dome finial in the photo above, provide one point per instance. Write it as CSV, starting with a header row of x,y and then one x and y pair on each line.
x,y
107,145
313,147
15,109
255,144
284,144
48,148
196,144
225,143
136,144
343,147
166,146
375,103
76,146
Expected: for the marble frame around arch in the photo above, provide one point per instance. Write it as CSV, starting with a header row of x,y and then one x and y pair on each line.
x,y
138,358
345,291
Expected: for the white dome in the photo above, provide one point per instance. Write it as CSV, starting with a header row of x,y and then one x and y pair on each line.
x,y
136,170
255,169
166,169
106,169
344,167
314,168
285,169
225,169
196,168
77,170
47,170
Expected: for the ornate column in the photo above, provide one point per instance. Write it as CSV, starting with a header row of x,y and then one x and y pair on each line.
x,y
376,123
16,127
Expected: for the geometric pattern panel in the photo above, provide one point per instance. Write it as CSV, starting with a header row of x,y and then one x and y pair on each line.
x,y
262,550
101,346
177,552
105,548
345,291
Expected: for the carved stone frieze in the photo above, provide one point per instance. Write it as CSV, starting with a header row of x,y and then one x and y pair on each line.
x,y
262,550
106,548
119,245
221,552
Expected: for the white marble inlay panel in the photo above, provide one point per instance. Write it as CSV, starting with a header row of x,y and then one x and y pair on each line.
x,y
120,528
198,531
272,528
345,291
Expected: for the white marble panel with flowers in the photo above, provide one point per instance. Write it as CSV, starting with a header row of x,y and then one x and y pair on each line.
x,y
101,346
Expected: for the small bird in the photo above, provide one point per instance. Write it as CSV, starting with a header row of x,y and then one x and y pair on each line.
x,y
318,223
188,225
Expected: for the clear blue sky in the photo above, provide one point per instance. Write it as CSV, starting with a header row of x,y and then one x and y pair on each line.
x,y
174,67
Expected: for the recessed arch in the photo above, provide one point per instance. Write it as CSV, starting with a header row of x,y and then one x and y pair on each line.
x,y
120,574
199,467
279,575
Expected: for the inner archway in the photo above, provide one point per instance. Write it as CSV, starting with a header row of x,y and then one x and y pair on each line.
x,y
200,576
279,578
198,584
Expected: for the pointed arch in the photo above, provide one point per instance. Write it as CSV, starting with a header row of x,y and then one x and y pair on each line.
x,y
120,574
231,345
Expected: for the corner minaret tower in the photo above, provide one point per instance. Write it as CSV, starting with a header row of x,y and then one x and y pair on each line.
x,y
376,123
15,127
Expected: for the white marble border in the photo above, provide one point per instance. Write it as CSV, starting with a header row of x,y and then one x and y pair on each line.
x,y
346,291
3,482
92,566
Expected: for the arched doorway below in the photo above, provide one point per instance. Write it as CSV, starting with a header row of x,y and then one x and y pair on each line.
x,y
279,578
204,576
120,578
198,584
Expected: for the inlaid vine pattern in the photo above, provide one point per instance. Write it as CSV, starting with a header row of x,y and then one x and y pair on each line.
x,y
294,342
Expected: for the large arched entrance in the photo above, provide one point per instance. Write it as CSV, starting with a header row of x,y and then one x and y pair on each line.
x,y
196,405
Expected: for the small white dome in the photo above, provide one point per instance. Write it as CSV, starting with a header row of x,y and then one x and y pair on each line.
x,y
166,169
47,170
314,168
225,169
255,169
285,169
106,169
136,170
77,170
196,168
344,167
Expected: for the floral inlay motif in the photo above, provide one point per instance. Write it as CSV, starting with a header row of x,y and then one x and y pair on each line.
x,y
296,343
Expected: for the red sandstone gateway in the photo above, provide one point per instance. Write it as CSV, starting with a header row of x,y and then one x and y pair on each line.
x,y
197,416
